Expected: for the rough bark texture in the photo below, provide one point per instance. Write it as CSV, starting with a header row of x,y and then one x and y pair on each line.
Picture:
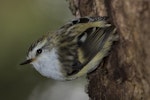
x,y
125,73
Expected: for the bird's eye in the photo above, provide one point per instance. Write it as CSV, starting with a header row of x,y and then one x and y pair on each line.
x,y
39,51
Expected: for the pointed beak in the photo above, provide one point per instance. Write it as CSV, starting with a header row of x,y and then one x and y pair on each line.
x,y
26,62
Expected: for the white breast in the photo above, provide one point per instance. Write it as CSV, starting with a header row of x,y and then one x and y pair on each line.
x,y
48,65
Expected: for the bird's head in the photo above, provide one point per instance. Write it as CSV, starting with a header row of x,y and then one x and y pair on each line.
x,y
37,50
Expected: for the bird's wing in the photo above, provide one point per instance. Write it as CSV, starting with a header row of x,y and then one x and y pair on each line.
x,y
94,42
80,41
94,49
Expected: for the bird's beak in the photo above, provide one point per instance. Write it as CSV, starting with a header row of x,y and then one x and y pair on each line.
x,y
26,62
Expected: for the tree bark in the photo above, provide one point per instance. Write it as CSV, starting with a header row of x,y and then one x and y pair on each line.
x,y
125,73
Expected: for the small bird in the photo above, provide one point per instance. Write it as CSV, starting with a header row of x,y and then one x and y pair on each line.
x,y
74,50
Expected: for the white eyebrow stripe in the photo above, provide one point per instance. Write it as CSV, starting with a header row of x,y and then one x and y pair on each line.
x,y
32,53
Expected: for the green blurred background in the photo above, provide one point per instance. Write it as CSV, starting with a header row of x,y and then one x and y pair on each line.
x,y
21,23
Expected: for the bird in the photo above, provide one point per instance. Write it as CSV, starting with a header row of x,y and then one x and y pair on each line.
x,y
73,50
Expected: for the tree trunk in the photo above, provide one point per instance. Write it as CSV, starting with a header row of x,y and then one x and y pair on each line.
x,y
125,73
